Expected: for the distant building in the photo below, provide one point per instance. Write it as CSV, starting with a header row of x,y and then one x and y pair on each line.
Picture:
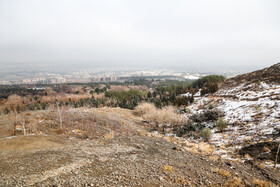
x,y
104,79
37,88
5,83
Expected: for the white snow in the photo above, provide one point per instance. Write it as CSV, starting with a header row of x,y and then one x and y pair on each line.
x,y
252,111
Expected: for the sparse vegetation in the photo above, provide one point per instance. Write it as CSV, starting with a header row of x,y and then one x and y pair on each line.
x,y
160,118
207,115
221,124
206,134
92,112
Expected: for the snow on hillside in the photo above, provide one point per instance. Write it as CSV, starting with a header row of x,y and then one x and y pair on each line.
x,y
252,111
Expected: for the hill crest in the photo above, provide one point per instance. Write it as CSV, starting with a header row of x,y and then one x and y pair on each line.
x,y
268,75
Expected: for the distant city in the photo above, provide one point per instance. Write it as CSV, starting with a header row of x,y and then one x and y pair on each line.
x,y
100,75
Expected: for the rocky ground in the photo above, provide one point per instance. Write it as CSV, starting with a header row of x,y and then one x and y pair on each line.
x,y
113,158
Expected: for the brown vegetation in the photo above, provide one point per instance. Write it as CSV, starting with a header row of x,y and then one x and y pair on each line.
x,y
167,116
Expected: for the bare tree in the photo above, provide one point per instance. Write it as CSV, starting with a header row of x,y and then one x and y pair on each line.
x,y
13,100
22,122
60,115
14,119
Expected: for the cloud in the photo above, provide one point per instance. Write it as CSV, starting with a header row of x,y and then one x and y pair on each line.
x,y
177,33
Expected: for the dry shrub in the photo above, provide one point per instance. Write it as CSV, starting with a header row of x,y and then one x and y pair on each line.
x,y
144,108
48,99
265,149
13,101
221,171
65,97
168,168
127,88
235,181
262,183
164,116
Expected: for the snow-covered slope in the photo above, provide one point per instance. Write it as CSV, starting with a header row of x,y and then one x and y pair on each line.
x,y
252,111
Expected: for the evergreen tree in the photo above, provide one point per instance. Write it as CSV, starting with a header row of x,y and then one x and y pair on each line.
x,y
154,94
196,89
158,103
192,99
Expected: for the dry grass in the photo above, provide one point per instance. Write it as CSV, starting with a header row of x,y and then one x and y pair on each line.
x,y
263,183
164,116
65,97
221,171
233,182
81,123
127,88
168,168
247,156
206,148
265,149
144,108
30,143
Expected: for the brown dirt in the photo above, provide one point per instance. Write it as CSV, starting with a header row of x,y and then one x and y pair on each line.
x,y
130,159
262,151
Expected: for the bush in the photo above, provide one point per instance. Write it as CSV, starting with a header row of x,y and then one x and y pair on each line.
x,y
207,115
208,79
206,134
221,124
185,129
164,116
144,108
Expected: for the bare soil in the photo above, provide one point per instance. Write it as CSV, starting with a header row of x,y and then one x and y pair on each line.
x,y
262,151
117,159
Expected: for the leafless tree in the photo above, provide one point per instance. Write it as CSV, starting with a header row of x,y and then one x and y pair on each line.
x,y
60,115
22,122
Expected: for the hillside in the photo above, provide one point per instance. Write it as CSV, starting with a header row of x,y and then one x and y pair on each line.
x,y
268,75
119,152
87,145
251,107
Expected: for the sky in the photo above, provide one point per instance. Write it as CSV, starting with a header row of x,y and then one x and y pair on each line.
x,y
179,34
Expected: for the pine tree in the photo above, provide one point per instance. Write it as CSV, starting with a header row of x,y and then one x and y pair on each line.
x,y
192,99
196,89
149,95
158,103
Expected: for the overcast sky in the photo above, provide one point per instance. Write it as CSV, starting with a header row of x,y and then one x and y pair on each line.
x,y
158,33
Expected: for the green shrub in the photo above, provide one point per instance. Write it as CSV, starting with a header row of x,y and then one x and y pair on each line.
x,y
208,79
207,115
221,124
206,134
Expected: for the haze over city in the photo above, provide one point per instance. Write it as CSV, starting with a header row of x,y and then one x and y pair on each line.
x,y
181,35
